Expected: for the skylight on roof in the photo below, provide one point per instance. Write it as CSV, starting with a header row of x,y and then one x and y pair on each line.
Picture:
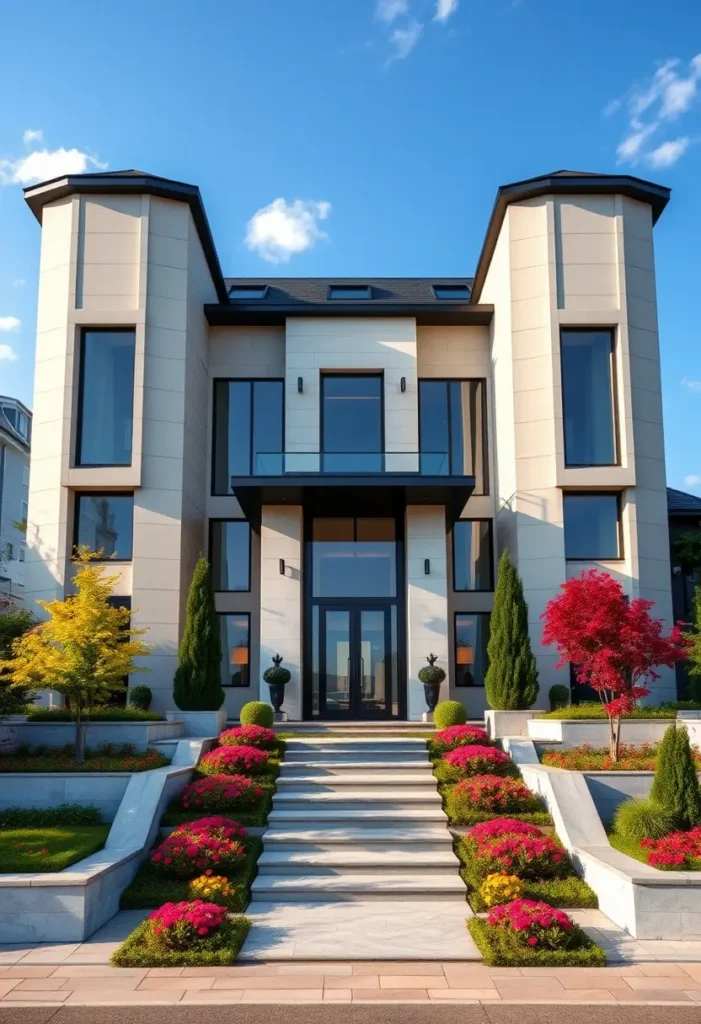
x,y
252,292
350,291
456,292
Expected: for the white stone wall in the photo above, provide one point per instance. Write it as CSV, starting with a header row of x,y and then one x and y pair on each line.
x,y
281,536
427,600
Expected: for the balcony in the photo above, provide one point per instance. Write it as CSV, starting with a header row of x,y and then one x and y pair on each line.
x,y
337,482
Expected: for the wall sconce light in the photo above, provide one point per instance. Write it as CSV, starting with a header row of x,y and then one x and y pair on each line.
x,y
402,384
427,566
300,385
282,566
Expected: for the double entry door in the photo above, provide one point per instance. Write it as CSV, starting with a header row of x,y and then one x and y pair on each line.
x,y
356,662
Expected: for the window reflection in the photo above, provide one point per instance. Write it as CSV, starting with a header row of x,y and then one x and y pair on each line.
x,y
230,554
354,557
248,430
235,643
352,423
592,526
471,639
472,555
106,398
105,522
452,429
587,398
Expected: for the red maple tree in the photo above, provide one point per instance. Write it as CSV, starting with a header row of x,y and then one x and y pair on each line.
x,y
614,644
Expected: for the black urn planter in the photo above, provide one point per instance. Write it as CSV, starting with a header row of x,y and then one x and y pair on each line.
x,y
277,696
431,676
432,692
276,678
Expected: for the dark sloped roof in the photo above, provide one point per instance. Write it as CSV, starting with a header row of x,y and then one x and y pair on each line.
x,y
679,503
291,291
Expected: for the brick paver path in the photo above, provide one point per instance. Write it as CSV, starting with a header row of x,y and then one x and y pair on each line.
x,y
645,983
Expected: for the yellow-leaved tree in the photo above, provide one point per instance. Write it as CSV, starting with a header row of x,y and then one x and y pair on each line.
x,y
84,649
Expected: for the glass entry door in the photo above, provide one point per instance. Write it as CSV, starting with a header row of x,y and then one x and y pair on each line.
x,y
356,661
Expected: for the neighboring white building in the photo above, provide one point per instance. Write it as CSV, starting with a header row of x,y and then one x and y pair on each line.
x,y
352,454
15,441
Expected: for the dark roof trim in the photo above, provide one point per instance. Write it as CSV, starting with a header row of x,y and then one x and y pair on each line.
x,y
136,183
683,504
561,183
255,314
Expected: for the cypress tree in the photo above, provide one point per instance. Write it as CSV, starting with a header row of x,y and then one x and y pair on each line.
x,y
676,785
511,683
197,685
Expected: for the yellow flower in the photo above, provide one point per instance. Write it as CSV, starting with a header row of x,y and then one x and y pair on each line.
x,y
210,886
500,888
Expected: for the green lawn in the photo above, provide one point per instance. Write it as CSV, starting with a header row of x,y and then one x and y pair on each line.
x,y
629,846
48,849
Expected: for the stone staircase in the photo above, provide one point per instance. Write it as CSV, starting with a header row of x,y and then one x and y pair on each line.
x,y
357,818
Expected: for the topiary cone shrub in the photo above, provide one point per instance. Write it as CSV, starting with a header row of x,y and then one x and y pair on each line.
x,y
511,683
559,696
676,785
449,712
197,685
257,712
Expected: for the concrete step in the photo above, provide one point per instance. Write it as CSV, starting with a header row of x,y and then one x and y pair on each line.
x,y
360,857
323,834
357,815
332,767
330,728
351,885
384,756
356,743
361,798
388,777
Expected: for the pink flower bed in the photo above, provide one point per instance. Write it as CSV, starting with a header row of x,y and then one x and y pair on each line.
x,y
457,736
198,846
676,852
479,760
221,793
248,736
495,793
515,848
532,923
180,926
503,827
238,760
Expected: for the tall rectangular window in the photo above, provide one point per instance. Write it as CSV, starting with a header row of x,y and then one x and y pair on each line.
x,y
106,398
592,527
473,567
248,430
471,639
235,632
351,423
105,522
453,429
230,554
588,397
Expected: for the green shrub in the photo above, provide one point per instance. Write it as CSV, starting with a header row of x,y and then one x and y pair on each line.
x,y
449,712
498,953
36,817
681,705
643,819
197,685
140,697
594,709
511,683
98,714
221,948
257,712
559,696
676,784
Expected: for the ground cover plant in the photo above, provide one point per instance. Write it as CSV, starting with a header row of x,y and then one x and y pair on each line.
x,y
590,709
483,797
48,847
39,817
527,933
184,933
586,758
106,758
96,714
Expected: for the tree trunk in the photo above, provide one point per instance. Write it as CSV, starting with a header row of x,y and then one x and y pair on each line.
x,y
79,737
614,738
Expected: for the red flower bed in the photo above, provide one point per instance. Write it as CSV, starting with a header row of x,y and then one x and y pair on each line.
x,y
221,793
587,758
495,793
503,827
182,925
479,760
198,846
248,736
457,736
534,924
236,760
678,851
513,848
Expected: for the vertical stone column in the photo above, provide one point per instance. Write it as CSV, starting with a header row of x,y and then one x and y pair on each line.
x,y
281,536
427,599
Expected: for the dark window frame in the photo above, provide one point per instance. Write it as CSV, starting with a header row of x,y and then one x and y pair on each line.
x,y
120,329
225,653
612,332
230,519
618,495
324,375
77,495
463,288
241,380
251,288
485,420
367,288
474,590
456,616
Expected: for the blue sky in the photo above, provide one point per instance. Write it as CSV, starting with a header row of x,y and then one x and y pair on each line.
x,y
381,128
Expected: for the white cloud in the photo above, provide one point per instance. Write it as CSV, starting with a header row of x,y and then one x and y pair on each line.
x,y
692,481
631,146
690,384
43,164
282,229
444,9
7,354
669,152
405,39
388,10
19,282
32,135
9,323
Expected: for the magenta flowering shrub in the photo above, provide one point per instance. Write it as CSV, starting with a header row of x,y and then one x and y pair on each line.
x,y
199,846
535,924
476,759
221,793
678,851
457,736
495,793
529,858
237,760
248,735
180,926
503,827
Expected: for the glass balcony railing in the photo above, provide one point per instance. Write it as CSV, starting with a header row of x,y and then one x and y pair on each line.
x,y
354,464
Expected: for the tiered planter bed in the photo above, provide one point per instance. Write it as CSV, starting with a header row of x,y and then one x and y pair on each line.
x,y
221,951
497,953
